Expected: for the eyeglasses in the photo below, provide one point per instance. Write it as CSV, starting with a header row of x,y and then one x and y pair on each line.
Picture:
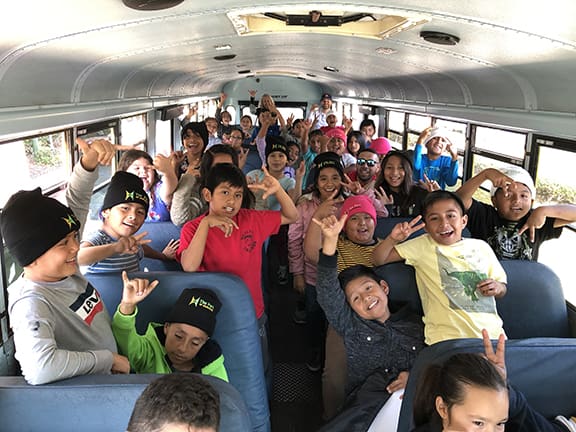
x,y
236,137
371,163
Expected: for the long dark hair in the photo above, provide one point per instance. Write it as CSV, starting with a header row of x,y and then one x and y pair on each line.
x,y
449,380
129,157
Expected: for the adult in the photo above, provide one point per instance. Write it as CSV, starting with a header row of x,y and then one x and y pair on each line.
x,y
318,114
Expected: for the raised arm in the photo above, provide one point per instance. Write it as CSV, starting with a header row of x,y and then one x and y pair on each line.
x,y
164,166
90,253
467,190
563,214
386,252
270,186
313,237
85,174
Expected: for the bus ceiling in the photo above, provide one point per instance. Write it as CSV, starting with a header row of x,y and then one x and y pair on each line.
x,y
436,56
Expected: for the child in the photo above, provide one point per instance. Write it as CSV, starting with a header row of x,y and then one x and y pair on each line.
x,y
224,120
212,127
368,129
395,182
114,247
309,153
274,151
178,402
355,245
355,142
457,278
376,334
60,324
324,200
195,138
432,166
470,391
181,344
510,226
159,191
230,226
187,203
337,144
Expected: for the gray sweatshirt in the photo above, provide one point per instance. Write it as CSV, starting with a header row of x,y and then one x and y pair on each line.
x,y
61,329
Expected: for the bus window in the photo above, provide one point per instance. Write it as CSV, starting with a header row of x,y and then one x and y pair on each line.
x,y
502,142
287,111
163,138
396,129
480,163
417,123
555,184
108,131
133,131
32,162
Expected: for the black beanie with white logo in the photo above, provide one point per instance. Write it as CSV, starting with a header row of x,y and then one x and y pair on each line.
x,y
196,307
32,223
125,187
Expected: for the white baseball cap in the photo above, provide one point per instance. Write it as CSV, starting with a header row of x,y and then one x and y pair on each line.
x,y
437,132
519,175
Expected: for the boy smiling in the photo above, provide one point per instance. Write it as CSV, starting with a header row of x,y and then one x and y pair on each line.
x,y
114,247
457,278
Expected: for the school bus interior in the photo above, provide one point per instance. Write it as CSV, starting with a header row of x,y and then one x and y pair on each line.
x,y
501,75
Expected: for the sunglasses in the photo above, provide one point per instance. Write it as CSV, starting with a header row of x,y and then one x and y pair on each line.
x,y
368,162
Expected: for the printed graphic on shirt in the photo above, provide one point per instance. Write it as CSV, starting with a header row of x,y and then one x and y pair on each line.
x,y
508,244
88,304
459,284
247,241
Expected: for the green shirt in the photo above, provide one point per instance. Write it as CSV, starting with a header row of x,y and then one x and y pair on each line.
x,y
146,352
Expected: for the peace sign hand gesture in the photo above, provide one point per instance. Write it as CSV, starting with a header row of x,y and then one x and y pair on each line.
x,y
403,230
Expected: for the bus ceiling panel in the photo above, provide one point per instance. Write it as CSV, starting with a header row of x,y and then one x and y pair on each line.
x,y
287,89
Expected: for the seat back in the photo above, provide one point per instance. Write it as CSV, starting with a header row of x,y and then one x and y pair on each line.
x,y
236,326
534,305
95,403
541,368
160,233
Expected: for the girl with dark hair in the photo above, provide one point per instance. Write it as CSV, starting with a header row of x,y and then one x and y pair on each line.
x,y
469,392
356,143
324,200
396,188
159,190
195,138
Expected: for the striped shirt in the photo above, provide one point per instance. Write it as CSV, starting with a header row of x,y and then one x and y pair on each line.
x,y
350,253
116,262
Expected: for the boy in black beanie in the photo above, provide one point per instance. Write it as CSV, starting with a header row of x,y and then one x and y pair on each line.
x,y
181,344
61,327
114,247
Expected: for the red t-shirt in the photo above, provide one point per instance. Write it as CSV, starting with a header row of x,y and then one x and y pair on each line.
x,y
241,253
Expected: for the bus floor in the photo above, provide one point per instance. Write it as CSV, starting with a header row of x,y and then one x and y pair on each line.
x,y
296,396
